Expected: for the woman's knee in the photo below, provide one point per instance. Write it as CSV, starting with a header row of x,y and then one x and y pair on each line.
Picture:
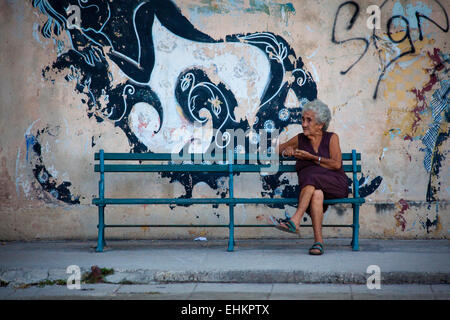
x,y
317,197
316,206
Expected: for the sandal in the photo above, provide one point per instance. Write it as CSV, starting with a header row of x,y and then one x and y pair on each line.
x,y
285,225
316,246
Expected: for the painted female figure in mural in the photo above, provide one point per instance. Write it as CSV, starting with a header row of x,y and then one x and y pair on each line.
x,y
133,34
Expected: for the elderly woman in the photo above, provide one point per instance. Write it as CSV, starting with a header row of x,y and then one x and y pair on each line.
x,y
319,170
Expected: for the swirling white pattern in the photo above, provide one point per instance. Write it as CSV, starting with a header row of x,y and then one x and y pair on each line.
x,y
129,90
188,82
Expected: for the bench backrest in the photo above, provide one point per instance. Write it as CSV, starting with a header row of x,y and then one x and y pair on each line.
x,y
234,163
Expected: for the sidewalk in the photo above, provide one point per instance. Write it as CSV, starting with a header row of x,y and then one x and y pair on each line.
x,y
253,261
229,291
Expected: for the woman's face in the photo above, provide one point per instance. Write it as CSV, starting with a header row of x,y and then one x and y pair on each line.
x,y
309,124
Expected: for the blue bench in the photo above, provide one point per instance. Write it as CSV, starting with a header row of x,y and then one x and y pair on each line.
x,y
240,163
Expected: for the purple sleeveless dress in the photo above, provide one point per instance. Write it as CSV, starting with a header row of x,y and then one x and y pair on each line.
x,y
333,183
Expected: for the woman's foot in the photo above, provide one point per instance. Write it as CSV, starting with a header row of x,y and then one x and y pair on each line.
x,y
316,249
294,220
286,224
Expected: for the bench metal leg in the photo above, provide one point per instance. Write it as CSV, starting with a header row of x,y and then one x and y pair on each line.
x,y
355,240
231,230
101,229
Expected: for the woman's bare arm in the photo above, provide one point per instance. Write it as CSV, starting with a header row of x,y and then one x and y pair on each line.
x,y
335,160
288,147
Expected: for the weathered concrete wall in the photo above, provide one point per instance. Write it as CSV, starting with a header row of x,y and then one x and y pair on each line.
x,y
120,75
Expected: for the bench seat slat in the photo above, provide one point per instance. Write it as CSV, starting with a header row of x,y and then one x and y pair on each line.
x,y
192,157
203,168
186,201
162,168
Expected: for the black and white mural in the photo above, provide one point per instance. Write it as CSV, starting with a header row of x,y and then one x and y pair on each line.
x,y
146,68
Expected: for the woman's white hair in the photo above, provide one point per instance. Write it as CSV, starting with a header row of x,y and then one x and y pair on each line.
x,y
321,111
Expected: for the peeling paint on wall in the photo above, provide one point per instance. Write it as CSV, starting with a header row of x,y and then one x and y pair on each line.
x,y
46,179
274,8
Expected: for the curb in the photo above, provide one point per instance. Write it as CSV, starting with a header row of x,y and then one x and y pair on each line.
x,y
22,277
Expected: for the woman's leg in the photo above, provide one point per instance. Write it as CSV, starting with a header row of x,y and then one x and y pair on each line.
x,y
317,216
303,202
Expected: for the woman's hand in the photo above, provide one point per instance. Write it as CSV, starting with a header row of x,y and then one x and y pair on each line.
x,y
288,152
303,155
